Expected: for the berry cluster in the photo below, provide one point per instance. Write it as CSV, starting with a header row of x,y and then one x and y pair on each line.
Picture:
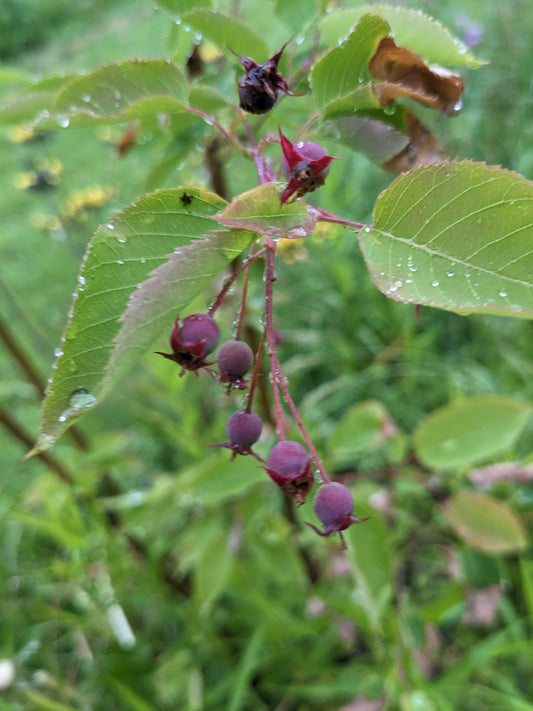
x,y
291,465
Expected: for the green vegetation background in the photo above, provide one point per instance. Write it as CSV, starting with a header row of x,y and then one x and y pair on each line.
x,y
183,621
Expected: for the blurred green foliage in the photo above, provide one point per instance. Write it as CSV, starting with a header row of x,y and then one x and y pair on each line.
x,y
169,578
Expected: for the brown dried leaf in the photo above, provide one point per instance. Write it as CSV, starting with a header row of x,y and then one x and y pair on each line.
x,y
404,73
422,149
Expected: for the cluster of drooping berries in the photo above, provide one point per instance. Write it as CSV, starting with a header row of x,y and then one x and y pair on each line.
x,y
288,463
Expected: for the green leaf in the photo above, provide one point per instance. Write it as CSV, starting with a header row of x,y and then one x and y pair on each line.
x,y
113,320
214,563
485,523
456,236
370,554
344,69
297,14
228,32
469,431
360,429
411,28
259,210
181,6
35,103
123,91
378,140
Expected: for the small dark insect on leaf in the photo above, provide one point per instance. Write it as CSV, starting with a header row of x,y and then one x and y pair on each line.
x,y
186,199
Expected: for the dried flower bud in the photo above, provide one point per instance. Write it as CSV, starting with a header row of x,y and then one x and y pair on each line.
x,y
258,88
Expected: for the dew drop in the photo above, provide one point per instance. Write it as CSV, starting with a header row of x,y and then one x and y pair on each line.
x,y
143,260
58,353
434,283
450,273
81,280
110,226
502,293
121,239
63,121
81,399
86,98
120,261
412,268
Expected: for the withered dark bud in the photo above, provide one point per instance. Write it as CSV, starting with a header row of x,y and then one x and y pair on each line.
x,y
258,88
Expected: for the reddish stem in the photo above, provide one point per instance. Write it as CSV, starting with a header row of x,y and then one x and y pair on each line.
x,y
323,216
231,280
279,381
255,374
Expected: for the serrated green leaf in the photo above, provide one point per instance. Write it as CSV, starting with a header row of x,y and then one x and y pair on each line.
x,y
259,210
34,103
113,320
456,236
360,99
469,431
344,69
412,29
227,32
485,523
124,91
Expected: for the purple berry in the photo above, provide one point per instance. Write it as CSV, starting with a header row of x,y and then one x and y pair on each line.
x,y
234,359
244,428
199,332
333,505
289,466
288,459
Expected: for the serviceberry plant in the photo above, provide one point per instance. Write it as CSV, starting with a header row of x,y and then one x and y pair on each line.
x,y
450,234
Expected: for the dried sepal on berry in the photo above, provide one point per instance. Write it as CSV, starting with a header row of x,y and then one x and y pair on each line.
x,y
289,466
258,88
307,167
192,340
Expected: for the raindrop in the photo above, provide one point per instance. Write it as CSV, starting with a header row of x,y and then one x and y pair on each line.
x,y
143,260
412,268
120,261
299,39
450,273
86,98
81,280
121,239
63,121
117,95
110,226
434,283
502,293
187,28
81,399
58,353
